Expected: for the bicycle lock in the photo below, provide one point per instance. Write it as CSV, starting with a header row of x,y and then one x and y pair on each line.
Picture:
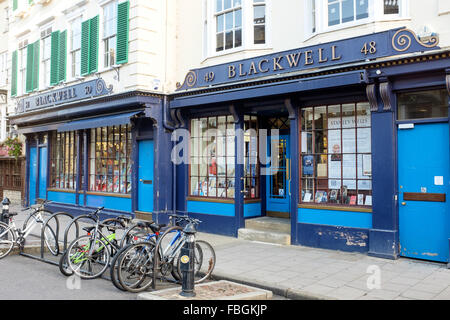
x,y
187,262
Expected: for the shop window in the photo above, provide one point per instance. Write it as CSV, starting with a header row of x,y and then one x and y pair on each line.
x,y
251,167
63,159
336,155
212,157
423,105
259,21
109,159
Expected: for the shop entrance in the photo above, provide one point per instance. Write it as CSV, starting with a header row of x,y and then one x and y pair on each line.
x,y
278,193
145,178
423,180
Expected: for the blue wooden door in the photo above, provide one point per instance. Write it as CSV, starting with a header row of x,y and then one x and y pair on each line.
x,y
145,176
33,176
43,173
423,167
278,182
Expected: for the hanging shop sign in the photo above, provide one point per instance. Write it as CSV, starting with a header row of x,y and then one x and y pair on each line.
x,y
85,90
363,48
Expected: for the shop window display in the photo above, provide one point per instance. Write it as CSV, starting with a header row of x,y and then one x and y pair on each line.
x,y
336,155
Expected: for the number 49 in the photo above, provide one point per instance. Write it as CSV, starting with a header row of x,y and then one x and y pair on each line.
x,y
369,48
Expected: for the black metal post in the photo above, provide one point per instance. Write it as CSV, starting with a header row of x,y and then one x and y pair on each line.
x,y
187,262
5,209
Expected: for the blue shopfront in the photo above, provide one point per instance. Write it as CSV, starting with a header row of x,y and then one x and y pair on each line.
x,y
87,147
360,138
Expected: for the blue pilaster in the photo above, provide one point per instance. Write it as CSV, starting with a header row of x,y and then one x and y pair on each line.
x,y
239,170
294,141
383,237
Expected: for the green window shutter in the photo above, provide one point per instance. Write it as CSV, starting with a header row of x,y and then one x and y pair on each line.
x,y
14,75
85,27
30,58
36,66
123,11
15,4
93,44
62,55
54,61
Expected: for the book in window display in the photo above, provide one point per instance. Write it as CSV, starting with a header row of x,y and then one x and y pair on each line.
x,y
334,196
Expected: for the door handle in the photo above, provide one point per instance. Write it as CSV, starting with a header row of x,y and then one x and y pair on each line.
x,y
403,203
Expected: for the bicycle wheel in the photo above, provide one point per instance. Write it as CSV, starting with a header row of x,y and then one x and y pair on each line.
x,y
64,266
114,268
7,239
50,240
135,268
170,243
88,258
204,261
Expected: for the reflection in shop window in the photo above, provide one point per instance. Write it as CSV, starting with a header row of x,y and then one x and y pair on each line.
x,y
423,105
336,155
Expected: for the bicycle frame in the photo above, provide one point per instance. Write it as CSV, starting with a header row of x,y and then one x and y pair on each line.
x,y
29,228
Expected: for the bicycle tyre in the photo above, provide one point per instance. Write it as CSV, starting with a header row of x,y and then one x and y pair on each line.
x,y
9,244
200,256
91,259
133,234
63,265
126,265
50,241
164,241
114,268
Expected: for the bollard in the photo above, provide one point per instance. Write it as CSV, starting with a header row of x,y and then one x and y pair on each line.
x,y
187,262
5,210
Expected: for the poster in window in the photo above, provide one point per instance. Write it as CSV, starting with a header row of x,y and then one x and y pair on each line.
x,y
308,165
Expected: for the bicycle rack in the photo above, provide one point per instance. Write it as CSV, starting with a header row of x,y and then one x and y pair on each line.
x,y
74,220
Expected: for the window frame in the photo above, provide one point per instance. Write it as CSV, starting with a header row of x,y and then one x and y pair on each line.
x,y
75,69
229,125
315,178
375,12
22,69
109,41
63,160
209,29
99,144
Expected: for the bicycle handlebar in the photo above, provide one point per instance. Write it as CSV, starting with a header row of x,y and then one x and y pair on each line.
x,y
185,218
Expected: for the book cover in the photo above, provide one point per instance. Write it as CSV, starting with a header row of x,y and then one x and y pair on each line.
x,y
352,200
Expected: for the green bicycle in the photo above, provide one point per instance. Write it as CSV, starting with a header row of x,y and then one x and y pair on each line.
x,y
89,255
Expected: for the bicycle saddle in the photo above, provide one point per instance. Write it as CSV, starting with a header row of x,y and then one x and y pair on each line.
x,y
89,229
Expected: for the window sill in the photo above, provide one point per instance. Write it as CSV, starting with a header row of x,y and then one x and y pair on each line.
x,y
61,190
234,51
108,194
335,207
355,24
205,199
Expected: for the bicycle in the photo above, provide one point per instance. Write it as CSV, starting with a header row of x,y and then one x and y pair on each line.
x,y
136,262
147,231
117,222
88,256
10,235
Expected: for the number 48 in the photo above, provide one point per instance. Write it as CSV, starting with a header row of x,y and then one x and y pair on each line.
x,y
369,48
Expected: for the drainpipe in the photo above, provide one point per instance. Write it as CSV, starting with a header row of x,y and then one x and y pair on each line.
x,y
170,127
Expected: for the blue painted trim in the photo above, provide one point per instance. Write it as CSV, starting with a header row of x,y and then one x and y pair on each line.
x,y
271,89
383,244
252,210
211,208
62,197
333,237
295,154
348,219
78,210
99,121
216,224
109,202
239,171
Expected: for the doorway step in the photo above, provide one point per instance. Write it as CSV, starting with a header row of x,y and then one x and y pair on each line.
x,y
267,229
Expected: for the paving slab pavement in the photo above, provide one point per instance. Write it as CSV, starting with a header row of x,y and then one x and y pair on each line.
x,y
298,272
